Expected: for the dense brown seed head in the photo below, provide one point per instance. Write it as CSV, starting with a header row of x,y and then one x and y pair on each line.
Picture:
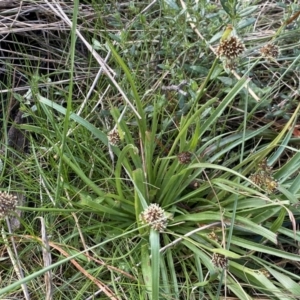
x,y
219,261
230,48
8,204
184,157
270,51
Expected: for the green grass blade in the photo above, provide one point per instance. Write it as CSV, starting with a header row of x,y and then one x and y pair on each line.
x,y
155,263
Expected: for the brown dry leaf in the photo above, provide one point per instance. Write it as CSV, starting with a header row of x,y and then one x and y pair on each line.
x,y
296,131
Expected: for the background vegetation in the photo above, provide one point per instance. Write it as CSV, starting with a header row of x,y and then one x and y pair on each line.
x,y
145,166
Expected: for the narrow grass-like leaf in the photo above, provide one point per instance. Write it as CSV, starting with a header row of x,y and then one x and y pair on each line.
x,y
146,268
263,249
289,196
149,151
140,195
264,214
217,167
155,263
169,192
224,103
243,224
290,285
289,168
226,253
122,160
79,172
295,186
59,263
102,209
95,131
205,259
286,128
256,279
223,145
281,149
165,281
142,120
171,268
187,121
236,287
279,220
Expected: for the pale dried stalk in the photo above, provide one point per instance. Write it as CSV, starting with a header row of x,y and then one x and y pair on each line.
x,y
13,255
47,260
107,70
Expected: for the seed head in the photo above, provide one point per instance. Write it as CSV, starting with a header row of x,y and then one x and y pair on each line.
x,y
7,204
265,273
212,236
113,137
230,48
270,51
155,217
219,261
184,157
263,178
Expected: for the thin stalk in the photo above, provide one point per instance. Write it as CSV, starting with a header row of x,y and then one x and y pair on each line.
x,y
69,100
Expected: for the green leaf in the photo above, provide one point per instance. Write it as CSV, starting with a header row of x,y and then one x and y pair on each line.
x,y
146,268
295,186
292,198
229,6
78,171
246,22
226,253
142,120
248,10
96,132
223,105
155,262
205,259
186,122
140,200
256,279
123,163
99,208
291,287
170,268
172,4
226,80
279,220
263,249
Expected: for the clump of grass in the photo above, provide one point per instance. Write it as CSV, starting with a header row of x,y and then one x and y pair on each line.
x,y
149,150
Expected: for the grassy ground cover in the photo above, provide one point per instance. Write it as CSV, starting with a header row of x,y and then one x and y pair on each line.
x,y
149,150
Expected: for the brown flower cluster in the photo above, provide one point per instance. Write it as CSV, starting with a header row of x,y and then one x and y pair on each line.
x,y
219,261
270,51
7,204
184,157
155,216
263,178
230,48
